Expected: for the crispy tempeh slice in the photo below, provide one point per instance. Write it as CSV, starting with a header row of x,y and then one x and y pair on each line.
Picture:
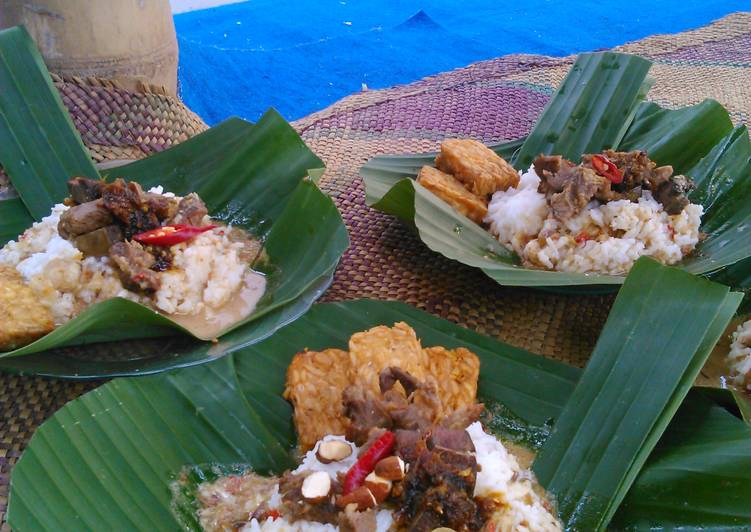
x,y
477,166
23,318
380,347
456,371
451,190
315,381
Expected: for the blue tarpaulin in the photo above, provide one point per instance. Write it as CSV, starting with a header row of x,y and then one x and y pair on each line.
x,y
301,55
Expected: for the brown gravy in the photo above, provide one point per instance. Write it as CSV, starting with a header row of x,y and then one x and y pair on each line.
x,y
209,325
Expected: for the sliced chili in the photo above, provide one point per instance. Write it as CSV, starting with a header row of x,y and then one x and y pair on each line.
x,y
607,168
582,237
169,235
366,463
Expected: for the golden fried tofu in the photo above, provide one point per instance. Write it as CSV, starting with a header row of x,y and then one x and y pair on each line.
x,y
315,382
380,347
23,318
451,190
456,372
480,169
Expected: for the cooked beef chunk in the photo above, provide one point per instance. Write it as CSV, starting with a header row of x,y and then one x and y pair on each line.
x,y
672,193
134,263
391,375
438,490
364,412
581,187
164,207
350,520
83,190
84,218
462,417
295,508
97,243
450,439
408,444
190,211
128,204
554,172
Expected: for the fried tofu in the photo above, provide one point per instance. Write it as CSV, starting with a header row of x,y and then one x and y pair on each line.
x,y
480,169
315,381
23,318
456,372
451,190
380,347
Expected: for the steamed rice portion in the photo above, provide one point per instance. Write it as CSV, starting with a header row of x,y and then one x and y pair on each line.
x,y
604,238
739,357
206,271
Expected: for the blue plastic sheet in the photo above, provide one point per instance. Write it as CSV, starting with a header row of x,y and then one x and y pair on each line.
x,y
301,55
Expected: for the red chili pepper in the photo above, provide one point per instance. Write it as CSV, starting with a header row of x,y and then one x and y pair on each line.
x,y
582,237
367,462
604,166
271,514
169,235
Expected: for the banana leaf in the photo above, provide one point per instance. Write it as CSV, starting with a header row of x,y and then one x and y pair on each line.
x,y
649,354
107,459
250,175
595,97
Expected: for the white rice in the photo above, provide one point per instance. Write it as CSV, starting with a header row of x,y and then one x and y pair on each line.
x,y
739,357
604,238
207,271
502,479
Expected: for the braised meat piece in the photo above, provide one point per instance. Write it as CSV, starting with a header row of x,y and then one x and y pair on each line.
x,y
127,202
296,508
84,218
391,375
450,439
672,193
408,444
83,190
190,211
439,486
554,172
164,207
350,520
581,187
135,265
97,243
364,412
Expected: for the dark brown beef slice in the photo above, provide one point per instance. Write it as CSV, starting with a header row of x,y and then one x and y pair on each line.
x,y
579,190
134,263
672,193
554,172
84,218
128,204
83,190
364,412
190,211
164,207
391,375
452,439
408,444
350,520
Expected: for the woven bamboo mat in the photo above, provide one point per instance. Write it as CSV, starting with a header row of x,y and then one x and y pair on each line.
x,y
492,100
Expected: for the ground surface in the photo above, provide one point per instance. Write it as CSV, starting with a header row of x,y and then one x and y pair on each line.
x,y
301,55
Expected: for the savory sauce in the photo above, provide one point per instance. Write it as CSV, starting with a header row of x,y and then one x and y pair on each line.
x,y
212,323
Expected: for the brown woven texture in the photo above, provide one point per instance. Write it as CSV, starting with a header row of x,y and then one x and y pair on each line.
x,y
492,100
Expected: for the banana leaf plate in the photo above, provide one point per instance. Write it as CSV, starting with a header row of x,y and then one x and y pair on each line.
x,y
597,106
251,175
107,459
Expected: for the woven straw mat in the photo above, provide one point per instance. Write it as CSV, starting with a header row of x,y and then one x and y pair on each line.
x,y
492,100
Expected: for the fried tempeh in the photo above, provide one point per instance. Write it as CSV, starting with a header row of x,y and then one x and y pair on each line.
x,y
480,169
23,318
456,371
315,381
451,190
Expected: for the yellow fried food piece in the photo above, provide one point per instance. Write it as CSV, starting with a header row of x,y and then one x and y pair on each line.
x,y
315,382
380,347
480,169
23,318
456,371
450,190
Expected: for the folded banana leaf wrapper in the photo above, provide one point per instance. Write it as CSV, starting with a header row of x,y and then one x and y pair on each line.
x,y
254,176
626,443
598,105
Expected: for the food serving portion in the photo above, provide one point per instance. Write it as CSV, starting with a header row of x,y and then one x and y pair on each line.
x,y
597,216
390,438
116,240
739,358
